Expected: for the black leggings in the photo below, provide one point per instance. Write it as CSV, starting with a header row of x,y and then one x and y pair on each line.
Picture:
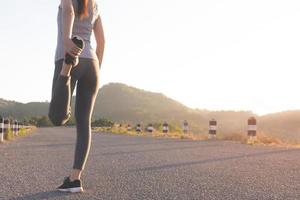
x,y
86,74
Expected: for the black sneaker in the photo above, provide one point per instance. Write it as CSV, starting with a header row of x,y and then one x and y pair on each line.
x,y
68,186
74,60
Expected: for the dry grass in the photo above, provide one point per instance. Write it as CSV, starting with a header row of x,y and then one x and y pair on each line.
x,y
235,137
8,135
26,131
22,133
265,139
174,135
261,139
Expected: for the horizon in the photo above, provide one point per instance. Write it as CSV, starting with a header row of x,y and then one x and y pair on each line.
x,y
206,55
222,110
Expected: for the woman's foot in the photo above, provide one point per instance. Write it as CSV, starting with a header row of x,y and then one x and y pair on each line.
x,y
70,186
70,60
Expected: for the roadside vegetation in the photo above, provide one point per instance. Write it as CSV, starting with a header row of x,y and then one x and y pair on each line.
x,y
177,133
23,132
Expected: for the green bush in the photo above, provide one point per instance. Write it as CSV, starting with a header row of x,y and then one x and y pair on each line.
x,y
103,123
43,122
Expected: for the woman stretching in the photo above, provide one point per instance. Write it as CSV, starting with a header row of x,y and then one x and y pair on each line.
x,y
76,62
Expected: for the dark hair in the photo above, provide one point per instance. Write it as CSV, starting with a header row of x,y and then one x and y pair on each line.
x,y
83,10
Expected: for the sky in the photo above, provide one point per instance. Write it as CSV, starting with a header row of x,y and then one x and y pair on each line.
x,y
216,54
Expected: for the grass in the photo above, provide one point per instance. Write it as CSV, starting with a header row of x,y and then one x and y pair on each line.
x,y
9,136
261,138
175,135
24,132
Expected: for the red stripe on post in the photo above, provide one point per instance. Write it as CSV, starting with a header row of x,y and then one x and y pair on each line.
x,y
252,126
213,127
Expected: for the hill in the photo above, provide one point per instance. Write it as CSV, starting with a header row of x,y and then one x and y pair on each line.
x,y
126,104
284,125
123,103
20,110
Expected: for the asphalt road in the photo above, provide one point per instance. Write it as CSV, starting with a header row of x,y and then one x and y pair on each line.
x,y
126,167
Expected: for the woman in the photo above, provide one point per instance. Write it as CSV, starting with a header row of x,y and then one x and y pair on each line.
x,y
77,62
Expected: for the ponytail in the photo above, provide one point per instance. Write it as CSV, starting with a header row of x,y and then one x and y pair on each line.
x,y
83,10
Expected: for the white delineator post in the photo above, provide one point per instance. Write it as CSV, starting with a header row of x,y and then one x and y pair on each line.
x,y
129,127
185,127
15,128
150,128
165,127
212,133
252,129
138,128
1,129
6,127
18,127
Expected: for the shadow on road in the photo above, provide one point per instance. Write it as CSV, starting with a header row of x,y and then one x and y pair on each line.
x,y
153,150
144,143
184,164
40,146
43,195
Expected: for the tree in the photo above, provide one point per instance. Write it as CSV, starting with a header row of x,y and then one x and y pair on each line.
x,y
43,122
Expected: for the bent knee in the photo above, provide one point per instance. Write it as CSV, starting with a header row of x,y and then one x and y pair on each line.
x,y
58,120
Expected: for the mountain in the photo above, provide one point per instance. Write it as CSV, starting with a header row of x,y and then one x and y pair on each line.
x,y
284,125
126,104
5,103
116,101
20,110
123,103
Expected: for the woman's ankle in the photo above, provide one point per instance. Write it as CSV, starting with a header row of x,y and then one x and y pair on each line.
x,y
75,174
73,179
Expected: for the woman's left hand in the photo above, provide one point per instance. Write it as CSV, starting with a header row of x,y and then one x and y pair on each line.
x,y
71,48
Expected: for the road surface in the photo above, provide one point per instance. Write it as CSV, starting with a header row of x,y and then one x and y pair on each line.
x,y
127,167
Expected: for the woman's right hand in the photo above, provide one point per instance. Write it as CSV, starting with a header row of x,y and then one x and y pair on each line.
x,y
71,48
